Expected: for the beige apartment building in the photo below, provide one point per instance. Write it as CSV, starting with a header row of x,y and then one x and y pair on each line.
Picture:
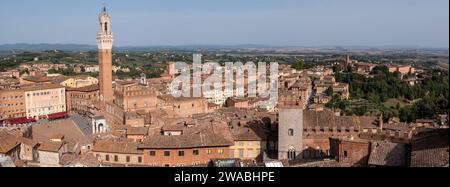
x,y
249,142
42,100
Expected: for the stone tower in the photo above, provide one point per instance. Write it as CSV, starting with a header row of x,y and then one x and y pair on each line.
x,y
170,68
104,44
290,133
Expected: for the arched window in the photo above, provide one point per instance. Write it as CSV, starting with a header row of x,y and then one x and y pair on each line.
x,y
100,128
106,26
291,154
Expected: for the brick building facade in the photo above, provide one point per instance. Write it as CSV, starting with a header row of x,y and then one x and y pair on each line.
x,y
82,99
12,104
349,151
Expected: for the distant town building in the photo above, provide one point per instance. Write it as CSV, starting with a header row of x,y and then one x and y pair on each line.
x,y
403,70
91,69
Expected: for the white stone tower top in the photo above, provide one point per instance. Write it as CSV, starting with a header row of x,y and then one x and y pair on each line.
x,y
104,34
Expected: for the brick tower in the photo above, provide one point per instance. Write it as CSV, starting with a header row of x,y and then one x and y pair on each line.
x,y
104,44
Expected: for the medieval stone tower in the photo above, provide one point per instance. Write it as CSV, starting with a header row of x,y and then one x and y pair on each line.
x,y
104,44
290,133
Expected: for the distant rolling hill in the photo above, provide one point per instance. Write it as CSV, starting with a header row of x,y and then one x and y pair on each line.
x,y
20,47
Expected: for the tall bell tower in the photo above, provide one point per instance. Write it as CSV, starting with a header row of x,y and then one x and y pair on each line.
x,y
104,44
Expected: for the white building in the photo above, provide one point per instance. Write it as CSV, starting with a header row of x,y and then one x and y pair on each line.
x,y
42,100
91,69
99,125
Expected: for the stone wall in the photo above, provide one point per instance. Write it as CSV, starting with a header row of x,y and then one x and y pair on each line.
x,y
290,119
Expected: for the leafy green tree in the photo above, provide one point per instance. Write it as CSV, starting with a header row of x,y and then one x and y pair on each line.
x,y
380,70
329,91
299,64
336,68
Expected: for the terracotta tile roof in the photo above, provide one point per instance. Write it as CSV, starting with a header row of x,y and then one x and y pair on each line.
x,y
40,86
193,137
318,163
246,99
57,136
174,127
60,79
72,133
432,157
249,133
126,82
7,142
397,126
388,154
329,119
39,78
431,151
51,146
90,88
87,160
116,146
27,141
137,130
170,98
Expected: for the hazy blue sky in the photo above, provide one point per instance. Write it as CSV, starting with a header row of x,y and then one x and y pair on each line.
x,y
271,22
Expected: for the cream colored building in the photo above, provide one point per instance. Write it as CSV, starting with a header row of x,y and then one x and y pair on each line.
x,y
79,82
248,150
44,99
249,143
